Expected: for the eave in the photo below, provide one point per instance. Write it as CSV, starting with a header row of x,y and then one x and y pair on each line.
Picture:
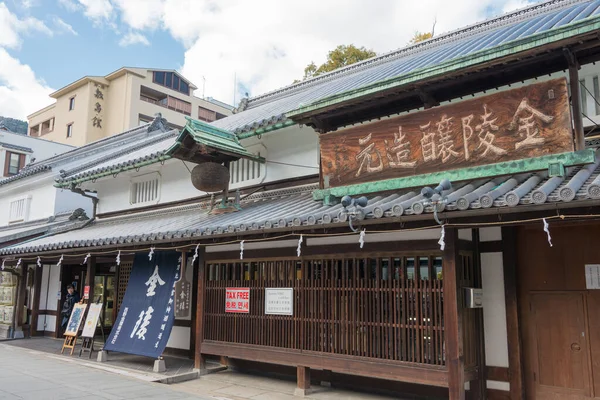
x,y
514,61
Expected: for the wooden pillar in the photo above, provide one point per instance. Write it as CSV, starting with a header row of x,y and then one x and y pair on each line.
x,y
199,359
579,138
35,301
513,331
453,307
303,375
20,300
478,386
90,276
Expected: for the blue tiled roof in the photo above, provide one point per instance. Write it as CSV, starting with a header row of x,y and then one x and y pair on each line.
x,y
271,107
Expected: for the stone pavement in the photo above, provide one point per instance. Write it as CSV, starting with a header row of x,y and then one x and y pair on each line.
x,y
34,369
27,374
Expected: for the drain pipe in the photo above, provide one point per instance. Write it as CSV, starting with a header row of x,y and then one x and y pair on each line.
x,y
84,194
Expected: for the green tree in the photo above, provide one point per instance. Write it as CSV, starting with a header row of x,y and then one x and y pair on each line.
x,y
339,57
419,37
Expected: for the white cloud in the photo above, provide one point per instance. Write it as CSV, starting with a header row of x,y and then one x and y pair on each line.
x,y
70,5
62,26
133,38
141,14
21,92
511,5
98,11
11,28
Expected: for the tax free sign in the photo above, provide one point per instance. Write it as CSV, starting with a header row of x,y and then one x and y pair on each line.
x,y
146,316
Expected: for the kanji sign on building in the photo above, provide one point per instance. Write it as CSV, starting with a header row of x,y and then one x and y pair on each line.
x,y
237,300
520,123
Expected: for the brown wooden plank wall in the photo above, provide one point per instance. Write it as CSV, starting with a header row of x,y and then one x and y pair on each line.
x,y
382,306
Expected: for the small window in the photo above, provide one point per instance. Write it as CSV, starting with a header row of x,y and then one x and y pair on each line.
x,y
184,87
70,130
159,77
175,82
14,163
169,81
244,172
19,209
145,189
72,103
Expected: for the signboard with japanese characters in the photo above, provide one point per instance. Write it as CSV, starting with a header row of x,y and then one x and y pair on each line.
x,y
146,316
75,320
279,301
531,121
592,276
237,300
183,296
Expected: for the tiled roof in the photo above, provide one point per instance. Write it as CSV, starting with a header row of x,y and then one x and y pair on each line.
x,y
150,150
294,208
85,157
271,108
57,223
16,147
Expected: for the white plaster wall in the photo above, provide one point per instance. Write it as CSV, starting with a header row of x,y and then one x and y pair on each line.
x,y
48,297
296,146
42,149
490,234
68,201
494,314
179,338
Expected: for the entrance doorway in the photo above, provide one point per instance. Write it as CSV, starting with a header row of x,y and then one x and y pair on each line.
x,y
560,356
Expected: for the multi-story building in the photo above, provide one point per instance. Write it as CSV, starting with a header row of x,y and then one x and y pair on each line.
x,y
95,107
17,150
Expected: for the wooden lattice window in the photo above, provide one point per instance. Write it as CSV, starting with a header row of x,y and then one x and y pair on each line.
x,y
123,279
384,307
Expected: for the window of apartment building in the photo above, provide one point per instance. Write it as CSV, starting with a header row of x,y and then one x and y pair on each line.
x,y
244,172
171,80
72,103
13,163
70,130
18,210
206,115
145,189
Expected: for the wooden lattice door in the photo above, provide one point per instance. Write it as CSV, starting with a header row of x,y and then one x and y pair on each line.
x,y
123,274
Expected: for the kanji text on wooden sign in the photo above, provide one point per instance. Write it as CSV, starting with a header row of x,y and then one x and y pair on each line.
x,y
531,121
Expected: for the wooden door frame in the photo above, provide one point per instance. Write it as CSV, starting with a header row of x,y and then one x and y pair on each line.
x,y
533,333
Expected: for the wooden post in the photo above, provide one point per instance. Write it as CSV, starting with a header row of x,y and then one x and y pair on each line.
x,y
579,137
453,306
303,375
90,276
513,331
478,387
199,359
20,300
35,311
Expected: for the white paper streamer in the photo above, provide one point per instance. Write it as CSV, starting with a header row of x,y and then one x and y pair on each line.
x,y
3,260
118,260
60,260
242,250
441,242
151,253
299,249
39,262
361,238
87,256
195,254
547,230
18,263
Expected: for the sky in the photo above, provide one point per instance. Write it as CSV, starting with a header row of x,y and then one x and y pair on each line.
x,y
227,48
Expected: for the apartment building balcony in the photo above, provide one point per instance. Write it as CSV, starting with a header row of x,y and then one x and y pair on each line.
x,y
163,100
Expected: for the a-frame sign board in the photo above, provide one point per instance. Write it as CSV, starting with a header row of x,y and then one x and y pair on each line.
x,y
93,320
73,325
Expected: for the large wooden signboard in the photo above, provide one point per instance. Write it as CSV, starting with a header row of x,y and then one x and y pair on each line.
x,y
521,123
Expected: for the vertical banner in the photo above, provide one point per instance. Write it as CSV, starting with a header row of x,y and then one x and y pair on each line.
x,y
146,316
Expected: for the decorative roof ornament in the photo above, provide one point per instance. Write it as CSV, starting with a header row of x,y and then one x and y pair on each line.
x,y
159,123
242,106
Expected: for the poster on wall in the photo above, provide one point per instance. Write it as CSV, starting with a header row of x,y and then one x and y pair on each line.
x,y
592,276
237,300
279,301
91,321
147,313
75,319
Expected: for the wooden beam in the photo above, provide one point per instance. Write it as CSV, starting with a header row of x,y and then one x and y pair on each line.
x,y
20,300
453,317
199,359
579,137
515,352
